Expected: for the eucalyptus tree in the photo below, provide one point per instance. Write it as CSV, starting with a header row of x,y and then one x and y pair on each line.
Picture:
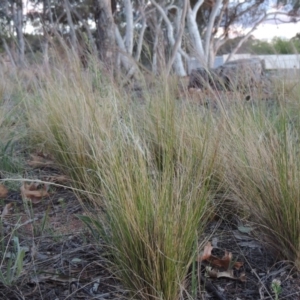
x,y
125,33
11,12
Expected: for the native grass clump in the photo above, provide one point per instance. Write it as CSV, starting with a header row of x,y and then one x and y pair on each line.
x,y
262,157
149,169
152,167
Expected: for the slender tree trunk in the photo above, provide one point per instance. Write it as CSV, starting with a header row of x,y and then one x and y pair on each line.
x,y
158,58
126,59
208,34
9,54
18,22
46,7
46,51
180,29
105,32
141,38
71,24
194,34
129,26
92,45
177,63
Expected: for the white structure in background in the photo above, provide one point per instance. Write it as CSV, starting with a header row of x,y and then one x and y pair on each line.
x,y
272,62
281,61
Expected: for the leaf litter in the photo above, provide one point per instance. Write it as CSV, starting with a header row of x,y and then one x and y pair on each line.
x,y
34,192
3,191
220,267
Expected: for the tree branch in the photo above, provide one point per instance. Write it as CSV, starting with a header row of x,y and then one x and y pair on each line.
x,y
196,8
225,5
208,34
129,26
179,37
246,37
87,28
155,45
141,37
174,44
183,53
167,21
123,53
71,24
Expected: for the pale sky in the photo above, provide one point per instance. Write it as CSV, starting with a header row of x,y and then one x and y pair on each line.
x,y
269,31
272,28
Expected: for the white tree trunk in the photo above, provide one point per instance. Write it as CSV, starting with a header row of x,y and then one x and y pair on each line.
x,y
126,60
156,48
141,40
178,63
71,24
209,29
194,31
181,15
129,26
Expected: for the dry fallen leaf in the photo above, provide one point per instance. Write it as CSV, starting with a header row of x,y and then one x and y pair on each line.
x,y
214,273
62,179
238,264
223,263
6,210
31,191
206,252
39,161
3,191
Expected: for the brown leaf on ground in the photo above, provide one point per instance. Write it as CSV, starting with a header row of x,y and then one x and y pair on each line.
x,y
206,252
62,179
238,264
38,161
223,263
214,273
31,191
6,210
3,191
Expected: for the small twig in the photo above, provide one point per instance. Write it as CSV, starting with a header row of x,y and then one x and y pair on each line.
x,y
211,288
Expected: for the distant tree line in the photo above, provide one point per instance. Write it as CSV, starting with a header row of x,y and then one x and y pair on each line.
x,y
161,35
277,45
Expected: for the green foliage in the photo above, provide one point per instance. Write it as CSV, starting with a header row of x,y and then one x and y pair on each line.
x,y
230,45
262,47
276,288
8,162
11,265
276,46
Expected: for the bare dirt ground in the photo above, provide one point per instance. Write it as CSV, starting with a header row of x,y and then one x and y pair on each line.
x,y
64,261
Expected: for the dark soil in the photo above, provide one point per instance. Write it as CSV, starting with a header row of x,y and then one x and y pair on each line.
x,y
260,266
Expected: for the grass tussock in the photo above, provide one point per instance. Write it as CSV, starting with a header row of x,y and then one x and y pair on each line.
x,y
12,129
263,171
148,168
